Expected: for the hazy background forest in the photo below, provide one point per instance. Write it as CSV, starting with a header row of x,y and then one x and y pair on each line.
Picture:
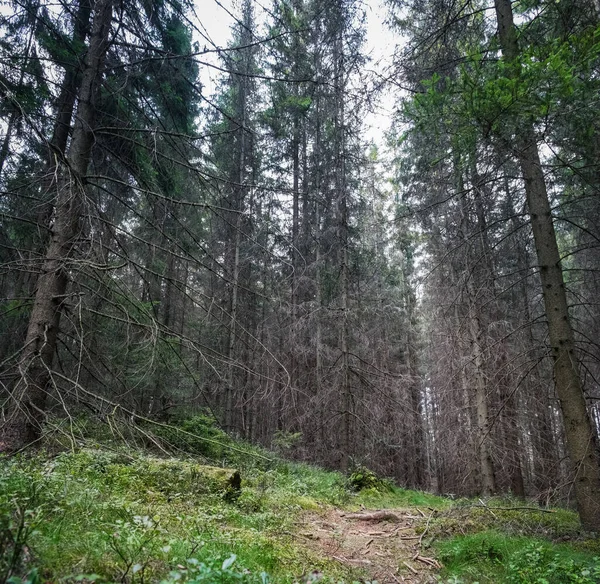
x,y
249,253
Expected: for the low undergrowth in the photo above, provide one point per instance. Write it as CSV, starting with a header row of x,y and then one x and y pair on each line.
x,y
98,509
103,515
492,556
104,512
505,541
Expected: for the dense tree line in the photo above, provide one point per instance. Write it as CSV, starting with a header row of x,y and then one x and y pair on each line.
x,y
167,251
489,163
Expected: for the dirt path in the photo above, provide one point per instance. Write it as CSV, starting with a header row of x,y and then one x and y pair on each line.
x,y
386,544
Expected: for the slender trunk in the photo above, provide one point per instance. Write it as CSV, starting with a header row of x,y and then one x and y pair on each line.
x,y
418,434
295,243
346,397
318,298
32,387
578,428
488,483
478,334
233,316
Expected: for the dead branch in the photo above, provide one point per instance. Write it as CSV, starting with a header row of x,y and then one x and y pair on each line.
x,y
429,561
410,568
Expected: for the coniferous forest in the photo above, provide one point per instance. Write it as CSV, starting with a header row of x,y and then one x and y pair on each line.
x,y
424,304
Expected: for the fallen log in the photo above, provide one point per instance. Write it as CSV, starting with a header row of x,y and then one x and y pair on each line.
x,y
376,516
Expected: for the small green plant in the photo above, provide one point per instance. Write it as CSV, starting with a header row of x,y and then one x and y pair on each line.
x,y
501,558
15,530
21,512
214,571
135,543
537,564
284,441
363,478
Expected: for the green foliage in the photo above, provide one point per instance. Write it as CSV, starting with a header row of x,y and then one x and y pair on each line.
x,y
215,570
121,515
399,497
295,486
106,516
19,518
498,557
466,517
199,435
495,97
539,564
15,308
283,441
363,478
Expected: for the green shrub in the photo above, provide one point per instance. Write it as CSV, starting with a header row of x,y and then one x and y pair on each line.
x,y
214,571
364,478
197,435
497,557
21,513
538,564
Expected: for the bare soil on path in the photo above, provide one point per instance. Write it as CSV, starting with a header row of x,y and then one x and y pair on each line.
x,y
386,544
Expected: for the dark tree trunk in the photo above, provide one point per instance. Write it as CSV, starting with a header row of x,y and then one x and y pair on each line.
x,y
30,393
578,428
64,112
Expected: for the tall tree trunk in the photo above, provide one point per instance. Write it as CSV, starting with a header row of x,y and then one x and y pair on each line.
x,y
342,203
293,342
417,430
578,428
488,483
233,313
478,337
64,111
31,390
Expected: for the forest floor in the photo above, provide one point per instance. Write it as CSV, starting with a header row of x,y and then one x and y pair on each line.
x,y
113,511
387,544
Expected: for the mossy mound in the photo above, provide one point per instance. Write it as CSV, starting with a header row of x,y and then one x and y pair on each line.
x,y
171,476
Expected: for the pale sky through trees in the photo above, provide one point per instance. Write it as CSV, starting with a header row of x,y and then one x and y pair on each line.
x,y
216,18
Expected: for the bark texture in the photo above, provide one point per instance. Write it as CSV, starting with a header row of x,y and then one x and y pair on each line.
x,y
578,428
30,393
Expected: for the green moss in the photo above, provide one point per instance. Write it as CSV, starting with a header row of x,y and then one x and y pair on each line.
x,y
363,478
493,556
398,497
107,513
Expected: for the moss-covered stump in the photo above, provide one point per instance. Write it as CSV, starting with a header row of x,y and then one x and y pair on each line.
x,y
170,476
175,477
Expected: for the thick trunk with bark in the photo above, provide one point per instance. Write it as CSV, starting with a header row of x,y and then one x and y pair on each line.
x,y
578,427
32,388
